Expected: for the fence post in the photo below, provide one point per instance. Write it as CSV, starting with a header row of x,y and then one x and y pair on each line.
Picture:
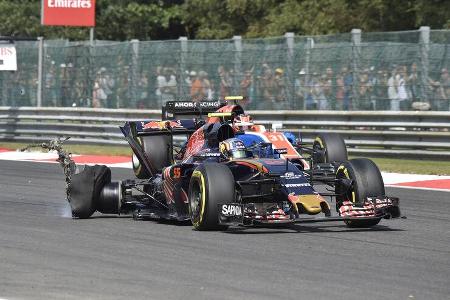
x,y
182,89
309,47
237,39
356,53
424,45
40,77
289,69
134,71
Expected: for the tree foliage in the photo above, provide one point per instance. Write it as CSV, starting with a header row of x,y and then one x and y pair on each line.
x,y
218,19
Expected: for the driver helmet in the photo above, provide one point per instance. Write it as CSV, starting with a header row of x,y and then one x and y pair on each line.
x,y
243,122
233,148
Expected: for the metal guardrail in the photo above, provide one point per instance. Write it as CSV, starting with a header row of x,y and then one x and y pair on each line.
x,y
419,134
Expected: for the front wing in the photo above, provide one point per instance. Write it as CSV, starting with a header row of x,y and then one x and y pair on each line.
x,y
372,209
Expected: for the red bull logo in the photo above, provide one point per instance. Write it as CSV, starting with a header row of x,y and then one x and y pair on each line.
x,y
158,125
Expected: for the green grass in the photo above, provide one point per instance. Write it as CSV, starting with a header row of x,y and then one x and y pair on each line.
x,y
394,165
413,166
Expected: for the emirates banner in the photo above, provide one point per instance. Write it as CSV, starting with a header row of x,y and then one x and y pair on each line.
x,y
8,58
68,13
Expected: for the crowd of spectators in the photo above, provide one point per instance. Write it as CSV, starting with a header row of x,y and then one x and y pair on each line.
x,y
397,87
265,86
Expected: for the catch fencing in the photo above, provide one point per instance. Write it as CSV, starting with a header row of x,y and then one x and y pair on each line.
x,y
351,71
415,134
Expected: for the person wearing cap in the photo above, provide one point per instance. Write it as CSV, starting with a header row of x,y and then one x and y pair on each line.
x,y
188,81
167,85
280,87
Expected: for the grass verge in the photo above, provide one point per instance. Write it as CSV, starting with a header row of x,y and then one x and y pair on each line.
x,y
412,166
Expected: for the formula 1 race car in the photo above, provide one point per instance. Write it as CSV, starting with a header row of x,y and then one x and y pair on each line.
x,y
218,168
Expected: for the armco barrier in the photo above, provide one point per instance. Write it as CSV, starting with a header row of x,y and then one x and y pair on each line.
x,y
420,134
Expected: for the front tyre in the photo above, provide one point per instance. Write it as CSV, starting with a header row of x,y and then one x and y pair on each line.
x,y
366,182
211,184
332,145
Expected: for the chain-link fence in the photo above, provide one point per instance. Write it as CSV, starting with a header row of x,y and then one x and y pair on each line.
x,y
351,71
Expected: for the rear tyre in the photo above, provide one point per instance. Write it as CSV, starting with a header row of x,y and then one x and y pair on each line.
x,y
333,147
367,182
157,150
211,184
85,189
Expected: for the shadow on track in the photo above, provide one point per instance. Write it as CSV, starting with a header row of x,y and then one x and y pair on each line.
x,y
306,229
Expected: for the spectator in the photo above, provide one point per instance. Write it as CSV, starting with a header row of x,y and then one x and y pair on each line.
x,y
300,89
102,88
225,82
330,88
413,86
166,85
160,83
199,90
319,92
50,86
280,86
392,90
401,88
340,91
246,87
65,95
268,87
348,88
123,90
188,82
373,82
444,90
364,91
142,91
380,89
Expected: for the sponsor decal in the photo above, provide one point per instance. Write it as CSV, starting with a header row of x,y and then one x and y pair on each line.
x,y
230,210
210,154
294,185
8,58
68,12
70,3
291,175
273,161
281,151
162,124
208,104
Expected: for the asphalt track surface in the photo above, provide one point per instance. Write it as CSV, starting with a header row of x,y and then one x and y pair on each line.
x,y
44,254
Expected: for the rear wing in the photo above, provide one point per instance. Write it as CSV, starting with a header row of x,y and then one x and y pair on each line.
x,y
165,127
172,109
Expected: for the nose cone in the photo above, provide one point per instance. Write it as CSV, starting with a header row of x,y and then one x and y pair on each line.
x,y
310,204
